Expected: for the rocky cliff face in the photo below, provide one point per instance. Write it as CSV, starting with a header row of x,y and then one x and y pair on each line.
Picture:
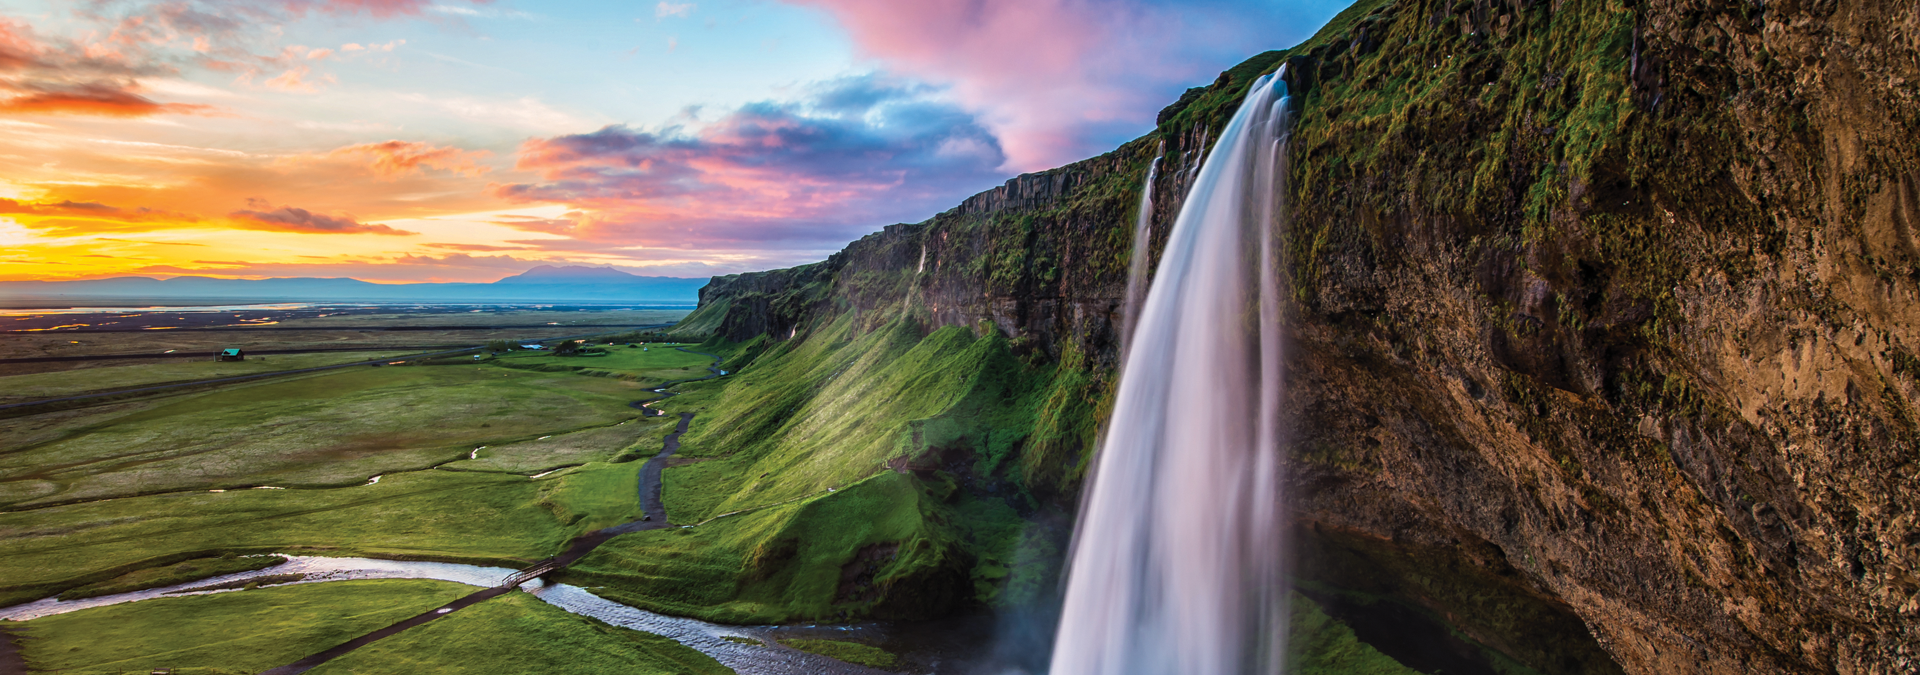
x,y
1606,317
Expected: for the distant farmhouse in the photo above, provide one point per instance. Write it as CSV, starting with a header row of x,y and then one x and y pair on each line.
x,y
231,354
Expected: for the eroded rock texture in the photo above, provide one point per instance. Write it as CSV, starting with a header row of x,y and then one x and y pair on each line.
x,y
1605,322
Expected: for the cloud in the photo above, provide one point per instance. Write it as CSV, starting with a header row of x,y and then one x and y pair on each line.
x,y
1061,80
236,36
400,268
54,78
79,217
398,158
291,219
418,267
106,99
67,207
666,9
375,8
479,247
854,153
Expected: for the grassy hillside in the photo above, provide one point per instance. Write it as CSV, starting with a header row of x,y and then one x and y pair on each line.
x,y
849,473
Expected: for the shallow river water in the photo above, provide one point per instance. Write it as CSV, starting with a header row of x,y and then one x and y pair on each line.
x,y
766,658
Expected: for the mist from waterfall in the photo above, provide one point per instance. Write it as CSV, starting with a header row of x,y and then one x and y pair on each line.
x,y
1177,561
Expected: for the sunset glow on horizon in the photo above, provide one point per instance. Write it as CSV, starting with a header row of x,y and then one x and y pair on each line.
x,y
469,140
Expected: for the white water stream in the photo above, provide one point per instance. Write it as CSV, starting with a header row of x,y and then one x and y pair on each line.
x,y
765,658
1137,273
1177,560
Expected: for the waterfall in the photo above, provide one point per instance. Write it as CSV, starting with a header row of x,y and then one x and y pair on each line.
x,y
1177,560
1142,240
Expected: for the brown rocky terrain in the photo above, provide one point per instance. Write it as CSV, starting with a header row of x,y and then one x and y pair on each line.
x,y
1606,324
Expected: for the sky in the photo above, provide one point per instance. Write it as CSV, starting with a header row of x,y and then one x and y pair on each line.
x,y
468,140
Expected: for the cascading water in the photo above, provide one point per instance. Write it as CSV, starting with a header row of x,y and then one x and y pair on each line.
x,y
1177,559
1142,241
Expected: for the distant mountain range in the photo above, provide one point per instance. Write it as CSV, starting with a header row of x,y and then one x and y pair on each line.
x,y
545,283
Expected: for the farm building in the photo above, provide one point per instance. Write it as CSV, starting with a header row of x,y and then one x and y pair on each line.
x,y
231,354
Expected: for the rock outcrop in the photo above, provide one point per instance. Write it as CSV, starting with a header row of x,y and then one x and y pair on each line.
x,y
1607,317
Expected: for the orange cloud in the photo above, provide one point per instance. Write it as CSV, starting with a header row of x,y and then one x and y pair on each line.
x,y
290,219
398,158
106,99
71,217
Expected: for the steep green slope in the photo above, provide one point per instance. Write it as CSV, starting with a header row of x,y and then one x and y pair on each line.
x,y
851,473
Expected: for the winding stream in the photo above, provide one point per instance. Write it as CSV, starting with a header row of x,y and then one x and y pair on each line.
x,y
765,657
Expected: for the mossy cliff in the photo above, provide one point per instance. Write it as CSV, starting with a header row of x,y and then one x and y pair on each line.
x,y
1605,318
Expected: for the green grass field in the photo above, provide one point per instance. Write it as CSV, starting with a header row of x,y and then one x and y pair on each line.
x,y
336,428
650,365
621,318
35,386
462,516
225,633
177,573
518,633
630,439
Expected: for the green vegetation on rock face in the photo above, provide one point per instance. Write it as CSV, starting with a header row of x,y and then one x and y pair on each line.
x,y
1319,645
850,652
224,633
703,322
519,633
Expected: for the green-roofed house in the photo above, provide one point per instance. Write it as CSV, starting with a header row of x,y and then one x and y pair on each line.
x,y
231,354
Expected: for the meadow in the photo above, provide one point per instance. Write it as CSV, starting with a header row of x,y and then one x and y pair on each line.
x,y
651,365
208,341
252,630
519,633
231,633
473,517
113,375
113,494
376,318
334,428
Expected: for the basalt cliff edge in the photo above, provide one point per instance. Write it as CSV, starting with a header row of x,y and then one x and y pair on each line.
x,y
1606,319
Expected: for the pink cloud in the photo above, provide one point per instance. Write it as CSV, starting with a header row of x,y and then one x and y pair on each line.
x,y
1061,80
399,158
231,35
290,219
855,154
